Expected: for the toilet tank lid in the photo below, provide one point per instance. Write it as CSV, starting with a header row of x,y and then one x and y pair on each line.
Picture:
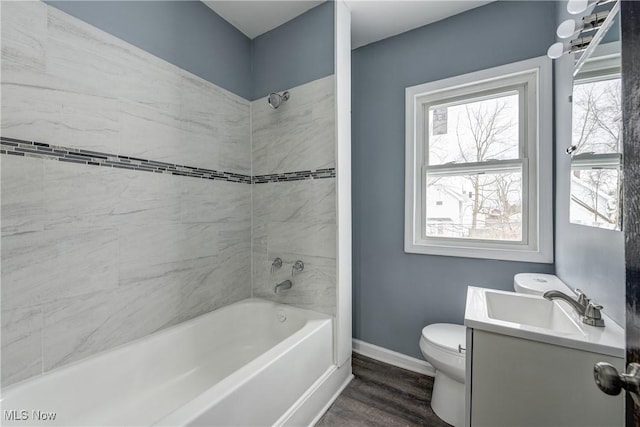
x,y
538,283
446,335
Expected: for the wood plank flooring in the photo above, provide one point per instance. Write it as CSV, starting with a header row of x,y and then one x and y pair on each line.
x,y
382,395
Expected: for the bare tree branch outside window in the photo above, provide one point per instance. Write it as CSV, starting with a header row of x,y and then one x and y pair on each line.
x,y
597,129
489,204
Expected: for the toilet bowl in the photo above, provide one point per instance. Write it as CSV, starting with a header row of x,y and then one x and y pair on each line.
x,y
443,346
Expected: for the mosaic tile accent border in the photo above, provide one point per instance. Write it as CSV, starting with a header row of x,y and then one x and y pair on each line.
x,y
295,176
18,147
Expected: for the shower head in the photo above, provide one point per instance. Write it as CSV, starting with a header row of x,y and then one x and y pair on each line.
x,y
275,99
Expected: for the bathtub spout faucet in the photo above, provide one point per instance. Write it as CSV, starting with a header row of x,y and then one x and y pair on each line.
x,y
282,286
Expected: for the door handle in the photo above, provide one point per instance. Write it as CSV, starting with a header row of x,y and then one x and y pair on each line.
x,y
609,381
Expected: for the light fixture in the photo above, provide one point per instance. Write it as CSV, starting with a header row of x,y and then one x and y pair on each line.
x,y
575,7
558,49
570,27
600,21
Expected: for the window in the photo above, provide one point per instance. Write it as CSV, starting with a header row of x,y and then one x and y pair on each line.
x,y
596,159
478,164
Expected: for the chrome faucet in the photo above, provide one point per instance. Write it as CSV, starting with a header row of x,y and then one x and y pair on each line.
x,y
551,295
287,284
588,311
277,263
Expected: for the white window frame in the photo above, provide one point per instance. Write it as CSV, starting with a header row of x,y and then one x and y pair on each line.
x,y
536,161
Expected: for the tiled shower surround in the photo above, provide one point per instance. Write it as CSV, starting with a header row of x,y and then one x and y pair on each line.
x,y
296,220
127,193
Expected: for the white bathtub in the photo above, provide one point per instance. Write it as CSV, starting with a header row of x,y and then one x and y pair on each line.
x,y
246,364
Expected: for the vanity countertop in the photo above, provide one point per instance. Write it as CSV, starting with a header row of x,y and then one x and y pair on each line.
x,y
534,318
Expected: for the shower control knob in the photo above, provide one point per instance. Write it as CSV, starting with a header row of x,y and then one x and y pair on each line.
x,y
277,263
298,266
610,382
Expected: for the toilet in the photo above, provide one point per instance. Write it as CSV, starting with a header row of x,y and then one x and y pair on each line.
x,y
538,284
443,346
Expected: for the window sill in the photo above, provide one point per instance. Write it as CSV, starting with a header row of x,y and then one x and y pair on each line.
x,y
517,253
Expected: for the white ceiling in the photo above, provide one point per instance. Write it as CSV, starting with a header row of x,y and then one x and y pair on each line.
x,y
259,16
371,20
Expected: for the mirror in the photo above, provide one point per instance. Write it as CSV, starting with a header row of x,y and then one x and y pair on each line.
x,y
596,146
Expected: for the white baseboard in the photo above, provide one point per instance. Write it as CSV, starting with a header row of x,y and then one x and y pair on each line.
x,y
393,358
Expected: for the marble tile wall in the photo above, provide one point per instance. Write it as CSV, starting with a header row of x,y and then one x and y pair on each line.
x,y
84,88
296,219
300,134
93,256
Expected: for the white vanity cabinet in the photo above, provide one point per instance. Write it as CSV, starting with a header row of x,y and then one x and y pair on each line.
x,y
518,382
530,363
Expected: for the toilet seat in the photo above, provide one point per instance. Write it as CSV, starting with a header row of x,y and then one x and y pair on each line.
x,y
446,336
439,345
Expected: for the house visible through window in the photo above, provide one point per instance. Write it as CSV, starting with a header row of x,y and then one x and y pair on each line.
x,y
474,152
474,163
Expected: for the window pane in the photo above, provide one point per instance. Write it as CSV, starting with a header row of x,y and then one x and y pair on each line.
x,y
485,206
475,130
595,198
597,117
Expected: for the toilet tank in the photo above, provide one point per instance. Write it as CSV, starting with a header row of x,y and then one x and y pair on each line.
x,y
537,284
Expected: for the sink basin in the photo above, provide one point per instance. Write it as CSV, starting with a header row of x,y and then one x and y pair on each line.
x,y
534,318
535,312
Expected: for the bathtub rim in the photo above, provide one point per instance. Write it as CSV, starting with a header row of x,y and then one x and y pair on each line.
x,y
309,315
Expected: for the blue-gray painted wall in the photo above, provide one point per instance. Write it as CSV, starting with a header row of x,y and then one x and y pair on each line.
x,y
297,52
185,33
396,294
588,258
191,36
